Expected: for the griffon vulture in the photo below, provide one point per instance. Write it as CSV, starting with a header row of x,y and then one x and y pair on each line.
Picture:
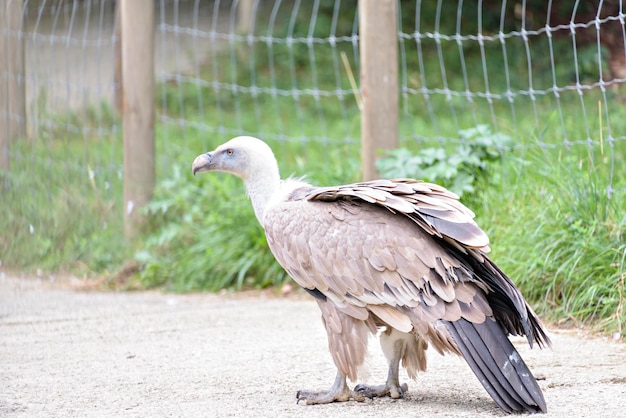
x,y
402,256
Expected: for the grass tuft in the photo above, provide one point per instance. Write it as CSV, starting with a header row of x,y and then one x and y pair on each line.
x,y
562,240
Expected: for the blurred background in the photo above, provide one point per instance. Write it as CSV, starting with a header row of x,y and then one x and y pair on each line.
x,y
518,106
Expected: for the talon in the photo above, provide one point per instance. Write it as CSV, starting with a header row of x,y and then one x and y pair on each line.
x,y
309,397
360,397
397,392
364,390
393,391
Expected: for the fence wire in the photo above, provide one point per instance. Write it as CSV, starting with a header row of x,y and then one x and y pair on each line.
x,y
284,71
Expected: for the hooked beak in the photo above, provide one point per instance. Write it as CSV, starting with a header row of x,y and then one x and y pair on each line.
x,y
202,163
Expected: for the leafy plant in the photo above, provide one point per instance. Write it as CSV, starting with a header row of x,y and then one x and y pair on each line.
x,y
458,170
203,236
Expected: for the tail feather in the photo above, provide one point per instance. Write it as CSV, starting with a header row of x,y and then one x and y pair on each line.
x,y
498,366
505,359
486,369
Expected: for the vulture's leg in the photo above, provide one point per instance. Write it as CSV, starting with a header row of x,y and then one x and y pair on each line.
x,y
347,341
339,392
395,345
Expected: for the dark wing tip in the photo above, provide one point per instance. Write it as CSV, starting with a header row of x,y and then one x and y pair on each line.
x,y
498,366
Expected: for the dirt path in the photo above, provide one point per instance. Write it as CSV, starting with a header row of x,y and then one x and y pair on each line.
x,y
73,353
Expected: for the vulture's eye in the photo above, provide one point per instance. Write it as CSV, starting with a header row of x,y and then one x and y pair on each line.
x,y
230,152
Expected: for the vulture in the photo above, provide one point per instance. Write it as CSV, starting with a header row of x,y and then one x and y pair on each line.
x,y
400,258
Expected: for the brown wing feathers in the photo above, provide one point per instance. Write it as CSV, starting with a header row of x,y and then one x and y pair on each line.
x,y
462,291
434,208
438,212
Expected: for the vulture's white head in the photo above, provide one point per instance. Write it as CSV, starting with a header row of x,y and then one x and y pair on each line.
x,y
250,159
244,156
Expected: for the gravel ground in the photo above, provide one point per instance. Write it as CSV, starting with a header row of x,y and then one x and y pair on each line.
x,y
67,352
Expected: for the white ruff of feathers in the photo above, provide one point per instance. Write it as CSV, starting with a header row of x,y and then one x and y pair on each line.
x,y
264,186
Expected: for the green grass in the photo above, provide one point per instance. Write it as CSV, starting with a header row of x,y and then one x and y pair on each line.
x,y
61,200
555,232
544,205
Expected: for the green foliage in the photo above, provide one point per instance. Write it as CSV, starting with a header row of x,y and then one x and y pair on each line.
x,y
458,170
557,233
59,205
203,236
52,226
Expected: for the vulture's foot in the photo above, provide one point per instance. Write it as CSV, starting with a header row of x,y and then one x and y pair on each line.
x,y
339,392
391,390
311,397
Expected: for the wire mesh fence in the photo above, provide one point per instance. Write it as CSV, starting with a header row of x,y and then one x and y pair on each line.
x,y
286,72
547,74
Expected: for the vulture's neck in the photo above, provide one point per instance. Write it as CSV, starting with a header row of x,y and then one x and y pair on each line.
x,y
261,186
268,190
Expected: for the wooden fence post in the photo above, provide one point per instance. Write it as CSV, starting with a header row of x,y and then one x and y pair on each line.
x,y
12,86
118,85
244,15
137,18
378,46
